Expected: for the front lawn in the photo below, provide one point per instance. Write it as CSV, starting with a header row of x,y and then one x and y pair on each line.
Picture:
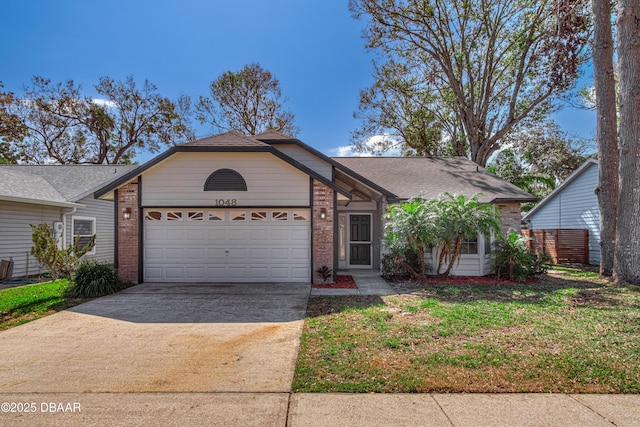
x,y
568,332
26,303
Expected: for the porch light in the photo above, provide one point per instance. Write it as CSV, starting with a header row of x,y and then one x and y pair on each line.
x,y
126,213
323,213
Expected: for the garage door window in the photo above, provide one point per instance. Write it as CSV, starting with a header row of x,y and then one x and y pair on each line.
x,y
153,216
258,216
195,216
216,215
300,216
238,216
174,216
279,215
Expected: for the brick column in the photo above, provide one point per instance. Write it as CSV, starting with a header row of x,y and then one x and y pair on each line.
x,y
128,233
322,232
511,217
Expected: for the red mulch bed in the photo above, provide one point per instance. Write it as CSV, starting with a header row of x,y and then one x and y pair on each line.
x,y
342,282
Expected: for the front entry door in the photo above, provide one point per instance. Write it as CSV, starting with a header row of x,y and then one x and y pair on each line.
x,y
360,240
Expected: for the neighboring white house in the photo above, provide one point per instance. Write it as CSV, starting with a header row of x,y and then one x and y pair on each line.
x,y
573,204
62,196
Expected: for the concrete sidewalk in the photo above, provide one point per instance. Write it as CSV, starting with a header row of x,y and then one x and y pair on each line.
x,y
369,283
285,409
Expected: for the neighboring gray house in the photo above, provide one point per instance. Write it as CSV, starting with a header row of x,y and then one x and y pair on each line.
x,y
573,204
269,208
62,196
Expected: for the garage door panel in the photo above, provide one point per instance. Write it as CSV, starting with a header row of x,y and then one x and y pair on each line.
x,y
205,250
173,254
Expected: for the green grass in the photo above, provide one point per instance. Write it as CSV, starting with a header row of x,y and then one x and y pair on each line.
x,y
26,303
572,333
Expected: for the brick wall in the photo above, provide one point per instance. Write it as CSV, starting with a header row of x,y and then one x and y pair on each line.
x,y
511,217
128,233
322,233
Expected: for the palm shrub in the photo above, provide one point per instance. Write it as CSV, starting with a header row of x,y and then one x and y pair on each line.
x,y
512,258
459,218
445,223
409,229
92,279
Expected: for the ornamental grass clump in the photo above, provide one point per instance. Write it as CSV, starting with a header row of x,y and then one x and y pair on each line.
x,y
93,279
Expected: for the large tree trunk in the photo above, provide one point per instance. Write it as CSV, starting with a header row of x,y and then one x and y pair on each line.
x,y
627,254
607,132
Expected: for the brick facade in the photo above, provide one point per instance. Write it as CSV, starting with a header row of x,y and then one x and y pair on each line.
x,y
128,233
322,232
511,217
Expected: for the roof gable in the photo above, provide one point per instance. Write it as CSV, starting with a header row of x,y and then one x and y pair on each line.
x,y
231,139
563,185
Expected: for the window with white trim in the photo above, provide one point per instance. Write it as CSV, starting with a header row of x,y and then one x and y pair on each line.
x,y
82,230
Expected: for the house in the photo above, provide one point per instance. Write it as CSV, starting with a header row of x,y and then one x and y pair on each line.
x,y
573,204
62,196
233,208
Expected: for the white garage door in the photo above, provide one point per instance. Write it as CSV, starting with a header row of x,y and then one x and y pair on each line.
x,y
227,245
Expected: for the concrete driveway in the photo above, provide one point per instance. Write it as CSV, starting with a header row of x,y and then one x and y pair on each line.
x,y
162,338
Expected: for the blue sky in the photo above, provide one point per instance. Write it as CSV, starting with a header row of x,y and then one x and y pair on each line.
x,y
315,49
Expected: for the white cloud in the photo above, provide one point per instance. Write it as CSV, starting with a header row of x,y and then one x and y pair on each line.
x,y
104,102
376,147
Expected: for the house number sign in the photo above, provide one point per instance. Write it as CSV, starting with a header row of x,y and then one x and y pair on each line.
x,y
226,202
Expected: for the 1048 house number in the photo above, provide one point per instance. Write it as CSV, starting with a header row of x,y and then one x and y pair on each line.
x,y
226,202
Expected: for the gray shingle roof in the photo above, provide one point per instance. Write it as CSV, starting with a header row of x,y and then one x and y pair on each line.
x,y
71,182
429,177
228,139
27,187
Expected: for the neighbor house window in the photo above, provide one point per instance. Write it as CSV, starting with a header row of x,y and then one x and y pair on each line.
x,y
83,229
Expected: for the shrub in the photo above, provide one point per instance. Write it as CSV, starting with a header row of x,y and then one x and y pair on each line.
x,y
59,262
393,264
512,259
325,272
93,279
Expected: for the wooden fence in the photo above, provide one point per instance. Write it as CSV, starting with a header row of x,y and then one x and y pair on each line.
x,y
563,244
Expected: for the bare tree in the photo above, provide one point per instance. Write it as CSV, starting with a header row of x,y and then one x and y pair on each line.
x,y
248,101
492,63
65,126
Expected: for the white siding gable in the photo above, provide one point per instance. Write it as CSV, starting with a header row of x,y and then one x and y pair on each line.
x,y
179,180
574,206
310,160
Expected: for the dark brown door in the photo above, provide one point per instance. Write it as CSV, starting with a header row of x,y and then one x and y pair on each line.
x,y
360,240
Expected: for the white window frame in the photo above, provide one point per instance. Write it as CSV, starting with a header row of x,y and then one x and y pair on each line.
x,y
73,231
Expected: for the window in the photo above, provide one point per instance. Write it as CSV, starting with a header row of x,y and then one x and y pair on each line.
x,y
195,216
83,229
238,216
469,247
225,180
300,216
216,215
279,215
174,215
258,216
153,216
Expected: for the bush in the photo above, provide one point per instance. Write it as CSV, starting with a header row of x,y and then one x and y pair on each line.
x,y
60,263
93,279
392,263
512,259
